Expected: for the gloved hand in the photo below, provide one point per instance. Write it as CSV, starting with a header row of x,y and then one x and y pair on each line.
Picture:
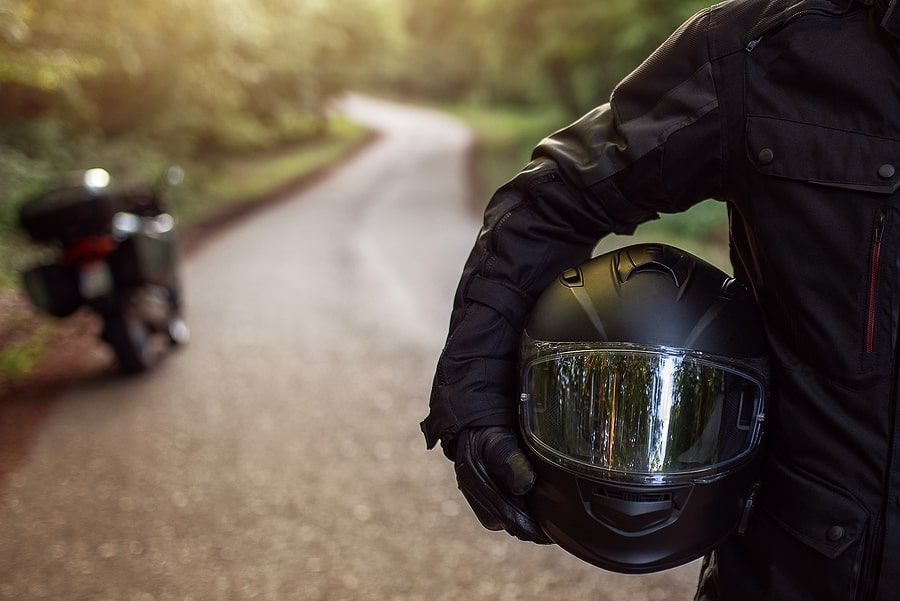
x,y
493,473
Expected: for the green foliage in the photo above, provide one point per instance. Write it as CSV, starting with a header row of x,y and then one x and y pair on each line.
x,y
86,82
178,70
566,53
19,358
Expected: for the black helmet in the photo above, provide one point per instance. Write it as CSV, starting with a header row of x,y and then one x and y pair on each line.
x,y
644,384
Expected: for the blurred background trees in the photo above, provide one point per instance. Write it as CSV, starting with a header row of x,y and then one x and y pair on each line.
x,y
133,86
181,77
205,76
568,53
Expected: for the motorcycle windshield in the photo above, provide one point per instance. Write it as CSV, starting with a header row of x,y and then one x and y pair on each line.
x,y
640,414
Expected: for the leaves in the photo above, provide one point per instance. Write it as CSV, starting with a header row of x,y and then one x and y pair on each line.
x,y
186,72
569,53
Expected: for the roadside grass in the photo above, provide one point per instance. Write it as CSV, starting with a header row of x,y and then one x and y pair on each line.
x,y
247,179
504,139
210,189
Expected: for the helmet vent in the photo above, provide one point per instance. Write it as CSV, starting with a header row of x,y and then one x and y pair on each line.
x,y
630,511
653,258
633,497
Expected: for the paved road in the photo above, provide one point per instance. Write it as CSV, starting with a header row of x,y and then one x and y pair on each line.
x,y
278,456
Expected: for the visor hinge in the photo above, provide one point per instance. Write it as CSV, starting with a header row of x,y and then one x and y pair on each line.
x,y
748,510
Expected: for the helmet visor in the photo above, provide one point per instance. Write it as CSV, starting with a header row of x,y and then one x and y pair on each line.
x,y
640,414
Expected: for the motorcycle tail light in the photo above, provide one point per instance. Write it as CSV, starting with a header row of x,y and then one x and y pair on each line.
x,y
88,250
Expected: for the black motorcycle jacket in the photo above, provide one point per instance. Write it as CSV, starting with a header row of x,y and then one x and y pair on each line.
x,y
789,112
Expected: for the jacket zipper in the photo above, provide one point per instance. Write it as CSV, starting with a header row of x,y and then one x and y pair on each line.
x,y
776,26
874,268
871,573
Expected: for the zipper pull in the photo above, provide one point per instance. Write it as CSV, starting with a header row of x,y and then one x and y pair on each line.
x,y
753,44
879,226
748,509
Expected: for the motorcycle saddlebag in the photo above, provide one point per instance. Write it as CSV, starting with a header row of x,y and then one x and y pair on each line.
x,y
53,288
66,215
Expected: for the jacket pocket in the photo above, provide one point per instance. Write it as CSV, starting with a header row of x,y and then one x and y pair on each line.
x,y
820,191
814,537
822,155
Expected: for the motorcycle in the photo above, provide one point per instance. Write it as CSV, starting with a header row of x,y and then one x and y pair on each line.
x,y
115,253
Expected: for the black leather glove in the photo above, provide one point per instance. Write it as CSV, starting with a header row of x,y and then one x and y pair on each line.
x,y
493,473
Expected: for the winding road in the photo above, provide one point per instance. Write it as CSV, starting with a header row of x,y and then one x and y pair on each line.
x,y
278,456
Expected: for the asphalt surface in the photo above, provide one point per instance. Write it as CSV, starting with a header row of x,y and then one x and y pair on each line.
x,y
279,456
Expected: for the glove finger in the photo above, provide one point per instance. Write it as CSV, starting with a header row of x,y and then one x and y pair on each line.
x,y
506,462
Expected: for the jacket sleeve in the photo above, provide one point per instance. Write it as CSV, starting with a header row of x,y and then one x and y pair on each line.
x,y
655,147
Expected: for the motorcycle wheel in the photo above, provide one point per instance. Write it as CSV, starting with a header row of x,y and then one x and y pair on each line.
x,y
132,339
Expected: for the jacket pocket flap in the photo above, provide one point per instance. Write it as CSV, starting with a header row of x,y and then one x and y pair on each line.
x,y
824,517
823,155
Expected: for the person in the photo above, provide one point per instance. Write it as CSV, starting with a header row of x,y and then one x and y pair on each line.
x,y
785,110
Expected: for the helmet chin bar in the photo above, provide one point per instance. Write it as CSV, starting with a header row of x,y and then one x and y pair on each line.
x,y
635,529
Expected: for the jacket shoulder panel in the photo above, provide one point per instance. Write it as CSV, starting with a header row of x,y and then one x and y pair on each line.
x,y
735,23
675,62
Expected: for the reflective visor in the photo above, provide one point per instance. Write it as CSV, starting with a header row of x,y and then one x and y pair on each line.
x,y
639,414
